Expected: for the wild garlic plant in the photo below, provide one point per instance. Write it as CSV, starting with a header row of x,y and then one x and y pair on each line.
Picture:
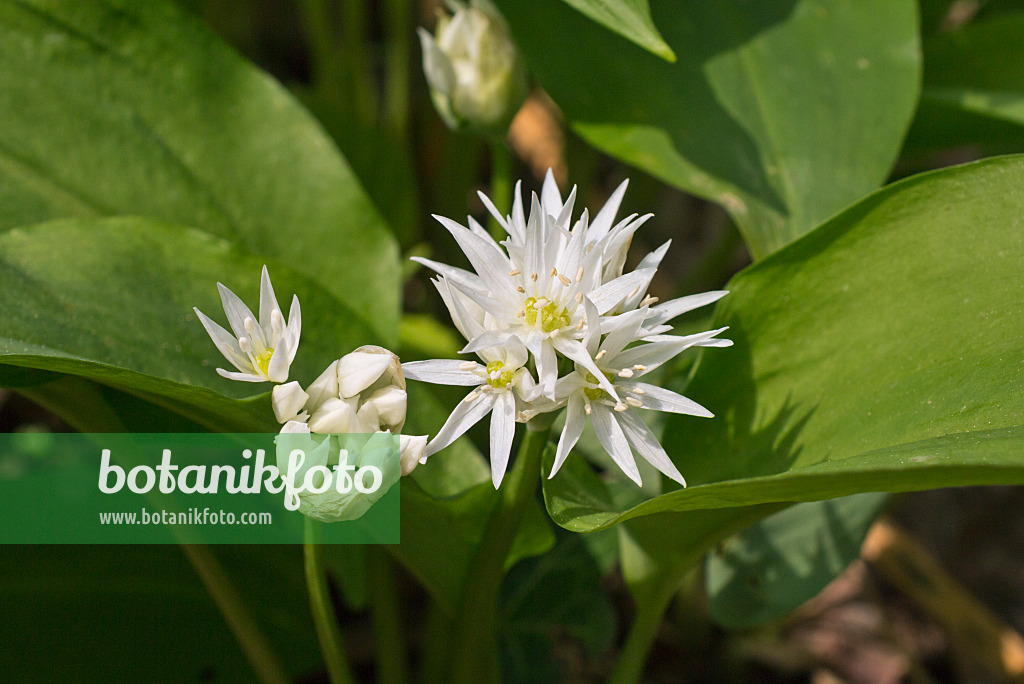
x,y
553,299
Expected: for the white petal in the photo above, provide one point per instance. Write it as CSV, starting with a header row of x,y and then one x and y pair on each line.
x,y
660,399
268,301
226,343
244,377
622,330
614,440
334,416
503,429
359,370
562,218
666,311
487,259
611,293
236,311
592,335
578,353
390,404
551,198
294,329
441,372
436,67
493,211
575,419
323,388
455,274
517,227
466,415
287,400
489,340
660,349
606,217
647,445
410,449
277,369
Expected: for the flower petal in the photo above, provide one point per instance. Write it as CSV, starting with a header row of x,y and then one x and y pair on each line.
x,y
551,198
606,217
277,369
294,329
466,415
575,419
647,445
236,311
614,440
666,311
607,296
503,429
226,343
268,301
243,377
442,372
359,370
287,400
660,399
661,348
578,353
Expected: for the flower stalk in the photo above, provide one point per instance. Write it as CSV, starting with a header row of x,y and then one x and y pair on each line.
x,y
327,630
478,608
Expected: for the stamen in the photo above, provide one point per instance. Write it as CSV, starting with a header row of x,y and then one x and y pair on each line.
x,y
635,290
565,281
533,277
579,297
625,373
521,314
620,407
540,303
600,354
640,367
250,325
586,408
648,300
276,325
520,289
554,272
468,365
471,396
580,325
579,274
639,390
243,343
514,272
633,401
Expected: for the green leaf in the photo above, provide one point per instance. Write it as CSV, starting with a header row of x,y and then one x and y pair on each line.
x,y
775,565
973,86
857,365
111,300
628,18
784,112
126,107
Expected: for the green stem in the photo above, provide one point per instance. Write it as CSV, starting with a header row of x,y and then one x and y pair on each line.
x,y
386,617
477,612
238,618
323,610
501,183
649,613
396,66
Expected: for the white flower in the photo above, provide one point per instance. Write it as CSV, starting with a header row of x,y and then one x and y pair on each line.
x,y
261,350
475,73
556,287
500,384
616,423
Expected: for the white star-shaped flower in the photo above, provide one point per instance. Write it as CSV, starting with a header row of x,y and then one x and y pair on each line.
x,y
262,350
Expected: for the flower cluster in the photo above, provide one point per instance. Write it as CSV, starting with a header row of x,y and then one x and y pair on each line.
x,y
553,299
362,392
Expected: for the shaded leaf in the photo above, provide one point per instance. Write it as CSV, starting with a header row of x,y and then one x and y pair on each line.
x,y
629,18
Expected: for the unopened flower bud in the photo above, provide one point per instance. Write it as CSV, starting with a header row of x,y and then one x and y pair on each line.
x,y
288,400
411,449
475,72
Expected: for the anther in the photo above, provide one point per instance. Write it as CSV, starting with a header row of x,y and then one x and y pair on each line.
x,y
579,297
520,289
250,325
554,272
620,407
565,281
514,273
468,365
635,290
579,274
533,277
471,396
586,408
639,390
600,354
243,343
648,300
640,367
625,373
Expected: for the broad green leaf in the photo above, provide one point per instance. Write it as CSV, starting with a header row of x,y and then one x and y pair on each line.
x,y
973,86
629,18
126,107
111,300
857,365
776,564
784,111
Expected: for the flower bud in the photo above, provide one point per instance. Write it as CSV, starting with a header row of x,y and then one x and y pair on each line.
x,y
411,449
475,72
288,400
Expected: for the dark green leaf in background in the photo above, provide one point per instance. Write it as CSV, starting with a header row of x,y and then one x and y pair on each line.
x,y
784,112
111,300
629,18
134,108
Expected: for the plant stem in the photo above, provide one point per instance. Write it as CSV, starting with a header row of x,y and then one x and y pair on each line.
x,y
649,613
501,182
241,623
476,615
386,618
323,610
396,66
